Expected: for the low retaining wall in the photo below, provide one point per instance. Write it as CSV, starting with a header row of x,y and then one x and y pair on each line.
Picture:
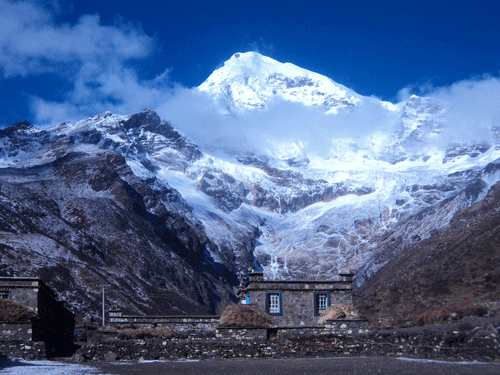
x,y
178,324
242,334
342,327
459,346
19,331
22,349
200,324
16,342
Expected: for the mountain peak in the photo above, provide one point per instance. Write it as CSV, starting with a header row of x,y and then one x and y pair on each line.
x,y
21,127
254,64
250,81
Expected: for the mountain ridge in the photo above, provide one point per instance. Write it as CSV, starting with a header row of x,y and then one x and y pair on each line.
x,y
199,220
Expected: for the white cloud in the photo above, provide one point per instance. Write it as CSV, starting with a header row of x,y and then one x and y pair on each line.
x,y
283,123
96,59
108,88
473,108
32,42
262,47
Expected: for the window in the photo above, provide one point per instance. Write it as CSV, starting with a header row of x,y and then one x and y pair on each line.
x,y
4,294
321,303
273,303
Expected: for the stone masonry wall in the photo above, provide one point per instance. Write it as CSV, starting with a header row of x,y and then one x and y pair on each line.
x,y
339,327
25,297
20,331
298,309
180,325
298,306
15,342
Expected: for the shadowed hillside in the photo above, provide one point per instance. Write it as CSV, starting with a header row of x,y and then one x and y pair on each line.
x,y
453,274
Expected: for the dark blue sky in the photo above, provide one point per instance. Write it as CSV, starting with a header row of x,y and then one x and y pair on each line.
x,y
373,47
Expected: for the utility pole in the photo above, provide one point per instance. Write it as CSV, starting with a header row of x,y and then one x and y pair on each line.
x,y
103,304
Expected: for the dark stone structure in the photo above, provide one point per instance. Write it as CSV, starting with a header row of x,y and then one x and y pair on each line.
x,y
53,323
296,303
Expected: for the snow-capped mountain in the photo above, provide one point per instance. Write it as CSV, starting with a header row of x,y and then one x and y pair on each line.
x,y
250,81
209,216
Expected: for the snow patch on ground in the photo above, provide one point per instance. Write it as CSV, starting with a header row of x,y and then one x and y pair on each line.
x,y
46,367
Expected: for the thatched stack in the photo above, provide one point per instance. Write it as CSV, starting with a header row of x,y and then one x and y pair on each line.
x,y
338,311
12,313
244,316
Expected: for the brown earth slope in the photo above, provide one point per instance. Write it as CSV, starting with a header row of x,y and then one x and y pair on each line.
x,y
445,277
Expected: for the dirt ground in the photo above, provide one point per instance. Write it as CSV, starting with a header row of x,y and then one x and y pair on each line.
x,y
332,366
344,366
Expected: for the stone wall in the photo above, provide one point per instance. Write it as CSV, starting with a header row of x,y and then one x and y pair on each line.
x,y
27,297
298,298
298,309
339,327
185,325
15,342
298,305
20,331
22,349
242,334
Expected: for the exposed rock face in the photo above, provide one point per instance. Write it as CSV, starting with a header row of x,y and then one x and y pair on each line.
x,y
472,150
21,140
420,123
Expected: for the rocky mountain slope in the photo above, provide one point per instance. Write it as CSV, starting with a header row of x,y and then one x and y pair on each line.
x,y
130,202
74,213
453,274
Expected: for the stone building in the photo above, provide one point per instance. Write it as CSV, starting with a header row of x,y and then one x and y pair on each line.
x,y
53,323
295,303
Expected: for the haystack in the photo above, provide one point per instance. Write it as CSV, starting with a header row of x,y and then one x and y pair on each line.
x,y
338,311
12,313
244,316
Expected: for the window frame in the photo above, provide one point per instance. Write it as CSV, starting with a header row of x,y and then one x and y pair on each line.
x,y
278,294
317,296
